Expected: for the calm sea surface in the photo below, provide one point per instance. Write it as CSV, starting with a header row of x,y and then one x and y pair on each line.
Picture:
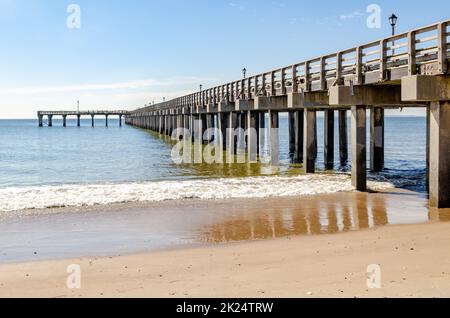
x,y
43,161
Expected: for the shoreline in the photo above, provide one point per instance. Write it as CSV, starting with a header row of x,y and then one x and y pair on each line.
x,y
186,202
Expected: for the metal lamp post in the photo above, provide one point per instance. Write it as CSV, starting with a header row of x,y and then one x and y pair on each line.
x,y
393,20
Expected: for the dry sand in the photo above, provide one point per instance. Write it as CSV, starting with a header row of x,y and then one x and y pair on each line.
x,y
414,259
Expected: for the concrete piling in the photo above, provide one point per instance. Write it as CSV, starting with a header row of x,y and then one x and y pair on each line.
x,y
376,139
358,136
309,143
343,137
274,121
440,154
299,118
329,139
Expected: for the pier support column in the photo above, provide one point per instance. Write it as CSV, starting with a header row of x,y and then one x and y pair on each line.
x,y
376,139
242,121
310,143
50,120
343,137
120,120
252,135
64,120
274,121
428,121
204,120
299,118
186,122
210,125
92,121
329,139
231,138
222,120
40,120
165,124
291,121
78,120
359,158
261,133
440,154
106,120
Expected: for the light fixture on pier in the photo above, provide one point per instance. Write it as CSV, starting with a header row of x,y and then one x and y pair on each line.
x,y
201,87
393,20
244,72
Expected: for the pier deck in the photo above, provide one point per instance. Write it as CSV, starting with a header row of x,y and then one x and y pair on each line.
x,y
79,114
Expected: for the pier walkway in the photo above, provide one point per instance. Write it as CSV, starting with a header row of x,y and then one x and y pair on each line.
x,y
78,115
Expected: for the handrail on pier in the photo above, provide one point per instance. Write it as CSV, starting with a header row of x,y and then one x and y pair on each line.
x,y
424,50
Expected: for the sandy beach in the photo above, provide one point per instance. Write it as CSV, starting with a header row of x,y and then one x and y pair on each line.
x,y
414,258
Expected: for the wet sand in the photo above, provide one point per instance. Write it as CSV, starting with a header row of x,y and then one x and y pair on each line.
x,y
305,247
142,227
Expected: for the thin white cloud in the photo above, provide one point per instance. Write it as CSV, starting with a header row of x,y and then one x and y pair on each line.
x,y
131,85
353,15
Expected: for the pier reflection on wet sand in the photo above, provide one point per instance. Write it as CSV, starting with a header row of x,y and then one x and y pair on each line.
x,y
312,216
130,228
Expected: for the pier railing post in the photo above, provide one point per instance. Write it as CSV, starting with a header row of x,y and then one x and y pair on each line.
x,y
359,157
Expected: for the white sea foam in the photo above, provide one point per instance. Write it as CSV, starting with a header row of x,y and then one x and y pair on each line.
x,y
17,198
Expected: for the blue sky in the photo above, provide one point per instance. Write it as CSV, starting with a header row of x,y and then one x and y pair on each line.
x,y
128,53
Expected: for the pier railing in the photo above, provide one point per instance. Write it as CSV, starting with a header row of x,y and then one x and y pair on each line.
x,y
424,51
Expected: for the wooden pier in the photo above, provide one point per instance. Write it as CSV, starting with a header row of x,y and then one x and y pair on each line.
x,y
406,70
78,115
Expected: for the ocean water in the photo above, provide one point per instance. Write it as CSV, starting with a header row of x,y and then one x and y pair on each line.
x,y
56,167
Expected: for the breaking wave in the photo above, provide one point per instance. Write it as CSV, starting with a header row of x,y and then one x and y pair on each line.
x,y
41,197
